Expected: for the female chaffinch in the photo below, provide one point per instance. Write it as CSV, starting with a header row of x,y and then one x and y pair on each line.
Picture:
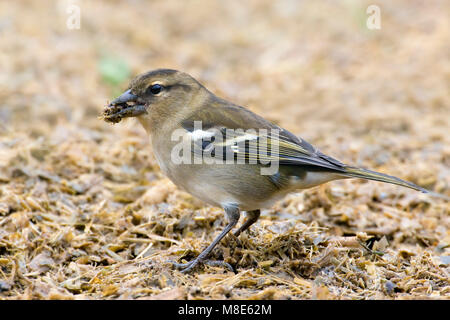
x,y
225,154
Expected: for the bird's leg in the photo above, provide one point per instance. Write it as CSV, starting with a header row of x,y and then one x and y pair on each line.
x,y
233,215
252,217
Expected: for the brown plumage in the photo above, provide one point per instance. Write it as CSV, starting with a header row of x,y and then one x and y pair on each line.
x,y
171,105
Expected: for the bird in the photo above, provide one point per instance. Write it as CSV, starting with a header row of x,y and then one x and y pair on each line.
x,y
223,153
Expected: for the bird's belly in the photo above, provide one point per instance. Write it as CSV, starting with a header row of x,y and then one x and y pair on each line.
x,y
221,185
238,184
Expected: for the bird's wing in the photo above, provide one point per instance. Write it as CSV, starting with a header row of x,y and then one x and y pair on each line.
x,y
231,131
228,129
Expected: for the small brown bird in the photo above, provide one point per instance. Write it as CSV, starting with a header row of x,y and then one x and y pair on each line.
x,y
225,154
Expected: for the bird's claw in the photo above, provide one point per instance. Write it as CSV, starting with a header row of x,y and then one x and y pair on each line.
x,y
220,263
188,266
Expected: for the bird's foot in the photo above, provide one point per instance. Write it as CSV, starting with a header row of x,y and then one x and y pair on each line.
x,y
188,266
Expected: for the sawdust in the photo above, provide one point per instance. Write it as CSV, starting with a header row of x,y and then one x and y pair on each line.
x,y
86,214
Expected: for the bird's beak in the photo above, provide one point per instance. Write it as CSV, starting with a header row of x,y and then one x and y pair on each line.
x,y
124,106
127,96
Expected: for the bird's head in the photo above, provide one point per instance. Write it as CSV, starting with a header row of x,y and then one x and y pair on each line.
x,y
156,96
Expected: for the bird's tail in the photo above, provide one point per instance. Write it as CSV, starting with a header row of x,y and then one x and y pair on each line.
x,y
377,176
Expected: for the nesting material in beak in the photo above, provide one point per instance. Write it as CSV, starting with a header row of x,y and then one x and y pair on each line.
x,y
124,106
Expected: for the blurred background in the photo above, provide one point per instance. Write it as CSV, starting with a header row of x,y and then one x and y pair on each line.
x,y
313,67
377,98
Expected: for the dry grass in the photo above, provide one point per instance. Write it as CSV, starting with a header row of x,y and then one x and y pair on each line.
x,y
86,214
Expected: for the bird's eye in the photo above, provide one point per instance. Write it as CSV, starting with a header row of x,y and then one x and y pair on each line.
x,y
155,89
